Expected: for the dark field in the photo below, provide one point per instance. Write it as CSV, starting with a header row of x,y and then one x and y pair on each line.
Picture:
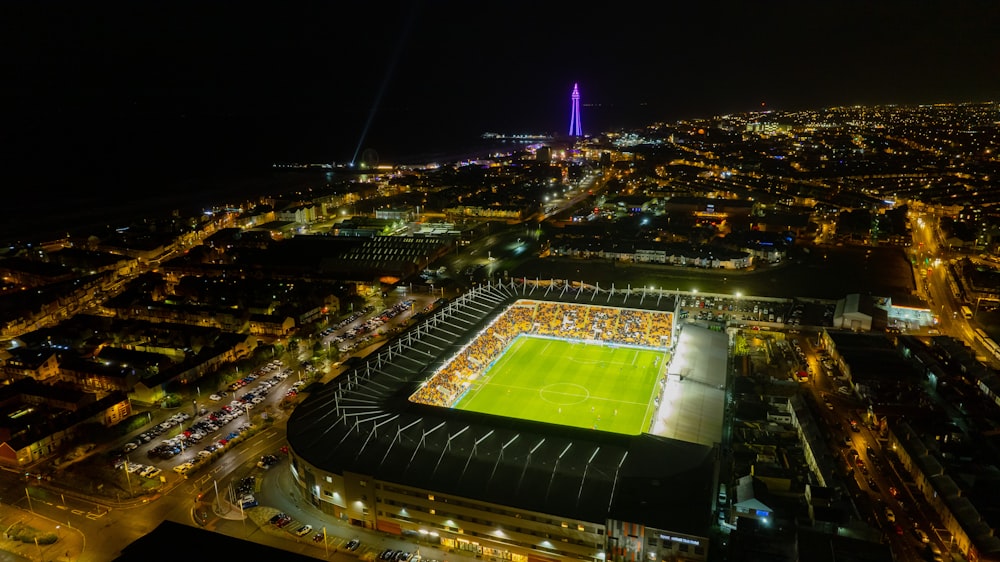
x,y
825,272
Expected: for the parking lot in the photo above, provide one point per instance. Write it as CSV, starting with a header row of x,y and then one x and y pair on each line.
x,y
187,439
182,442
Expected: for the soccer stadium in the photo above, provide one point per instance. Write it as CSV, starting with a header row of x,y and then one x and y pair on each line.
x,y
527,421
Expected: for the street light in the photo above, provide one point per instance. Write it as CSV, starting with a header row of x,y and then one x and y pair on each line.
x,y
128,477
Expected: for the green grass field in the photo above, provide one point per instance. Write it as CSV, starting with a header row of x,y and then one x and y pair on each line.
x,y
570,383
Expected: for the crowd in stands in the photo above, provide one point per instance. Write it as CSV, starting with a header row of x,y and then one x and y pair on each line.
x,y
455,377
564,320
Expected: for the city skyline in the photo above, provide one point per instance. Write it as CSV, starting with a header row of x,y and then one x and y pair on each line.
x,y
111,98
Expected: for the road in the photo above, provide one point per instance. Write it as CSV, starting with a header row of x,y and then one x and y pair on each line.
x,y
874,473
939,288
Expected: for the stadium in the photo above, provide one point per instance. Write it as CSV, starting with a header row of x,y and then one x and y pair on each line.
x,y
527,421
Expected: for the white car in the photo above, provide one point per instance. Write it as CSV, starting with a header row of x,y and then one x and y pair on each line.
x,y
183,468
215,397
151,472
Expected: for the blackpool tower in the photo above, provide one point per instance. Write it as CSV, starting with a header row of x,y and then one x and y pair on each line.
x,y
574,118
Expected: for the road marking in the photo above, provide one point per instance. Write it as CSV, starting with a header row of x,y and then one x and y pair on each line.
x,y
77,511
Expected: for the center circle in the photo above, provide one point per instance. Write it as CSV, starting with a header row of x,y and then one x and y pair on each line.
x,y
563,393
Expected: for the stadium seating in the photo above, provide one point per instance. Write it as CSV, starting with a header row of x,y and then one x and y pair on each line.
x,y
647,328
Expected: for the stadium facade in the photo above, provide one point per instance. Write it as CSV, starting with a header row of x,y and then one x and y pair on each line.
x,y
497,487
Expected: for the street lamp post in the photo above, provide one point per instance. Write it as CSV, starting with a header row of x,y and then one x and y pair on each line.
x,y
128,477
31,509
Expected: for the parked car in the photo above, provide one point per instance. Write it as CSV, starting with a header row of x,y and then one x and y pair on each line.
x,y
303,530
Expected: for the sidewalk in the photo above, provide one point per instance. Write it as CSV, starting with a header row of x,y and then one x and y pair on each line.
x,y
69,544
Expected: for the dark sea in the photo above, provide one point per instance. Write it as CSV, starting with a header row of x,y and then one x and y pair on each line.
x,y
87,173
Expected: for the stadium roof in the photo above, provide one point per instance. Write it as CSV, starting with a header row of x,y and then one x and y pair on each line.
x,y
362,422
695,393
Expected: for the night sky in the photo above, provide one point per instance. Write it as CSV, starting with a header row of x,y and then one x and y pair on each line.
x,y
103,96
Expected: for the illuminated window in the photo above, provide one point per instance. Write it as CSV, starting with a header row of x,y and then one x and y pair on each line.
x,y
564,525
430,497
579,527
433,511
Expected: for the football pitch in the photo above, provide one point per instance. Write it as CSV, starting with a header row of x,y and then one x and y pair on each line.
x,y
570,383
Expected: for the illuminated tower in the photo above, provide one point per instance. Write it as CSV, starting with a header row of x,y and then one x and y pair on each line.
x,y
574,116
